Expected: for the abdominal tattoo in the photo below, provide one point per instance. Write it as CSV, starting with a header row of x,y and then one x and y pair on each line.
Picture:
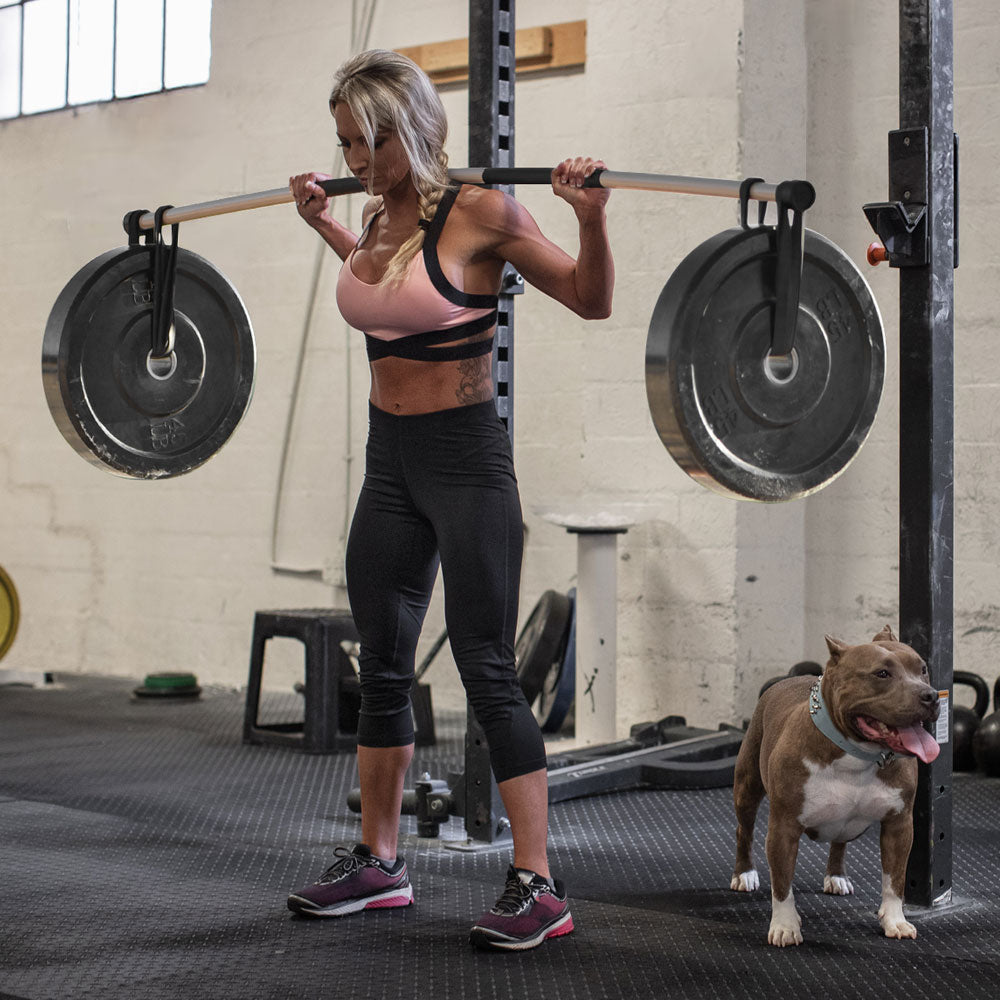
x,y
476,385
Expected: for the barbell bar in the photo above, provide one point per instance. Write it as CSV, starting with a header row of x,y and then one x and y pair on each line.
x,y
737,414
798,194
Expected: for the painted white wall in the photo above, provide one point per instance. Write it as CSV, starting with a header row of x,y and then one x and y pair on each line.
x,y
127,578
771,563
852,549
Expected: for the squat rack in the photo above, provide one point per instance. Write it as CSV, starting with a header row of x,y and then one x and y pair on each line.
x,y
923,184
919,228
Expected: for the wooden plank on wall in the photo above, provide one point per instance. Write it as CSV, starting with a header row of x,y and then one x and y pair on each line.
x,y
553,46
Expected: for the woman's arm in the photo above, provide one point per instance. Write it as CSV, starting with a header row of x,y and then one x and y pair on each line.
x,y
585,285
312,204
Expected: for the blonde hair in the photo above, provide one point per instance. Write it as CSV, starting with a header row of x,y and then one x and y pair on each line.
x,y
386,90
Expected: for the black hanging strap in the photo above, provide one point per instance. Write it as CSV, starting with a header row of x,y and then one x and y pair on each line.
x,y
164,273
793,198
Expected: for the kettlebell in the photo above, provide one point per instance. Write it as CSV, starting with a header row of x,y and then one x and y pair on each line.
x,y
807,668
965,722
986,741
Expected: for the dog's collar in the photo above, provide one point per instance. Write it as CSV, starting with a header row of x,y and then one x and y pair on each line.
x,y
821,720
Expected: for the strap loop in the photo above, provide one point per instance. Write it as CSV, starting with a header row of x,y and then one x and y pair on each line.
x,y
745,186
131,226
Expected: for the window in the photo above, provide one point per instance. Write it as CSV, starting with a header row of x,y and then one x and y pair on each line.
x,y
60,53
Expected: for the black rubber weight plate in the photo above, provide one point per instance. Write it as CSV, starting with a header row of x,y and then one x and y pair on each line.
x,y
730,417
119,409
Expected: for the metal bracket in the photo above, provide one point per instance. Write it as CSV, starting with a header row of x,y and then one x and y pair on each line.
x,y
901,222
902,230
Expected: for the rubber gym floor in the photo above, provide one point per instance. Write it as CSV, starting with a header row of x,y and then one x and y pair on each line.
x,y
147,853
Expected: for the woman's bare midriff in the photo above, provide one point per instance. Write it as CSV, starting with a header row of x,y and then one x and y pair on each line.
x,y
404,387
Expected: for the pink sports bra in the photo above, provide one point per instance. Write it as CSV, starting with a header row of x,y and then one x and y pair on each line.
x,y
408,319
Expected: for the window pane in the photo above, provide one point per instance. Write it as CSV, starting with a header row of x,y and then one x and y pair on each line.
x,y
189,42
139,47
91,50
44,73
10,61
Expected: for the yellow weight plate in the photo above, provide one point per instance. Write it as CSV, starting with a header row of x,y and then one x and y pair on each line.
x,y
9,612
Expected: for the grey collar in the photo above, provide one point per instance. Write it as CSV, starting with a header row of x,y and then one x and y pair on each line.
x,y
821,720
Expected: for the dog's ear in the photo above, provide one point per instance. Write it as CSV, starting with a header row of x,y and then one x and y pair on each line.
x,y
886,635
836,647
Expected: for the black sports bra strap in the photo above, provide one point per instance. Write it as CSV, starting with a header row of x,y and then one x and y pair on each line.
x,y
419,352
367,227
424,346
441,214
433,265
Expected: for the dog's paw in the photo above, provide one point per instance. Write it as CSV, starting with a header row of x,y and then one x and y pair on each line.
x,y
838,885
786,924
897,927
745,881
782,935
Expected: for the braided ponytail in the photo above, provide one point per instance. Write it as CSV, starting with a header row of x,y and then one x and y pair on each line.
x,y
427,205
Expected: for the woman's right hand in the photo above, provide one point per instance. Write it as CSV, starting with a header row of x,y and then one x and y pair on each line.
x,y
310,199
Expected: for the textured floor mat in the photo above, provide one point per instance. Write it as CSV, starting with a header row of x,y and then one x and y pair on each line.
x,y
145,852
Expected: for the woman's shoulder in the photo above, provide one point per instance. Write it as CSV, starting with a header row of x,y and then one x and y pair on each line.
x,y
489,209
481,203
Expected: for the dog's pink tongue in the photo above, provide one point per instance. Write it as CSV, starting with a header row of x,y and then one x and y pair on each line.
x,y
917,741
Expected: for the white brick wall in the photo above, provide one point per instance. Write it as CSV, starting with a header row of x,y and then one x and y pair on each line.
x,y
126,578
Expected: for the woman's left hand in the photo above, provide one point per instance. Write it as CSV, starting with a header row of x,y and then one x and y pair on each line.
x,y
568,178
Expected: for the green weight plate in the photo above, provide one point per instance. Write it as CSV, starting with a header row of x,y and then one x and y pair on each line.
x,y
168,685
165,694
728,415
118,408
170,680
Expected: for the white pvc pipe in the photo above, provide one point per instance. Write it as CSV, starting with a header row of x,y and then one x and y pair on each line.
x,y
596,636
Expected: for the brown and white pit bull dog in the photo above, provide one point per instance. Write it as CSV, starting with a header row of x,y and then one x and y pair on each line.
x,y
834,755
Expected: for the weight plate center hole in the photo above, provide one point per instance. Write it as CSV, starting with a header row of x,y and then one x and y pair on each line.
x,y
781,368
161,368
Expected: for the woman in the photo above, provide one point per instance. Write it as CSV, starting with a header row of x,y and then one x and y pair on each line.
x,y
422,282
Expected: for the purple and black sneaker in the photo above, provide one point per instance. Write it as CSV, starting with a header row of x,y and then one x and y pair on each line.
x,y
530,910
355,881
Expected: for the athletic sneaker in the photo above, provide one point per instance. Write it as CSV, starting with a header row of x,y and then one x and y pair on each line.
x,y
530,910
355,881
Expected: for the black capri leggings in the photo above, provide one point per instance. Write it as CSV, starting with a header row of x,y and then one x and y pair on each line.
x,y
440,488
